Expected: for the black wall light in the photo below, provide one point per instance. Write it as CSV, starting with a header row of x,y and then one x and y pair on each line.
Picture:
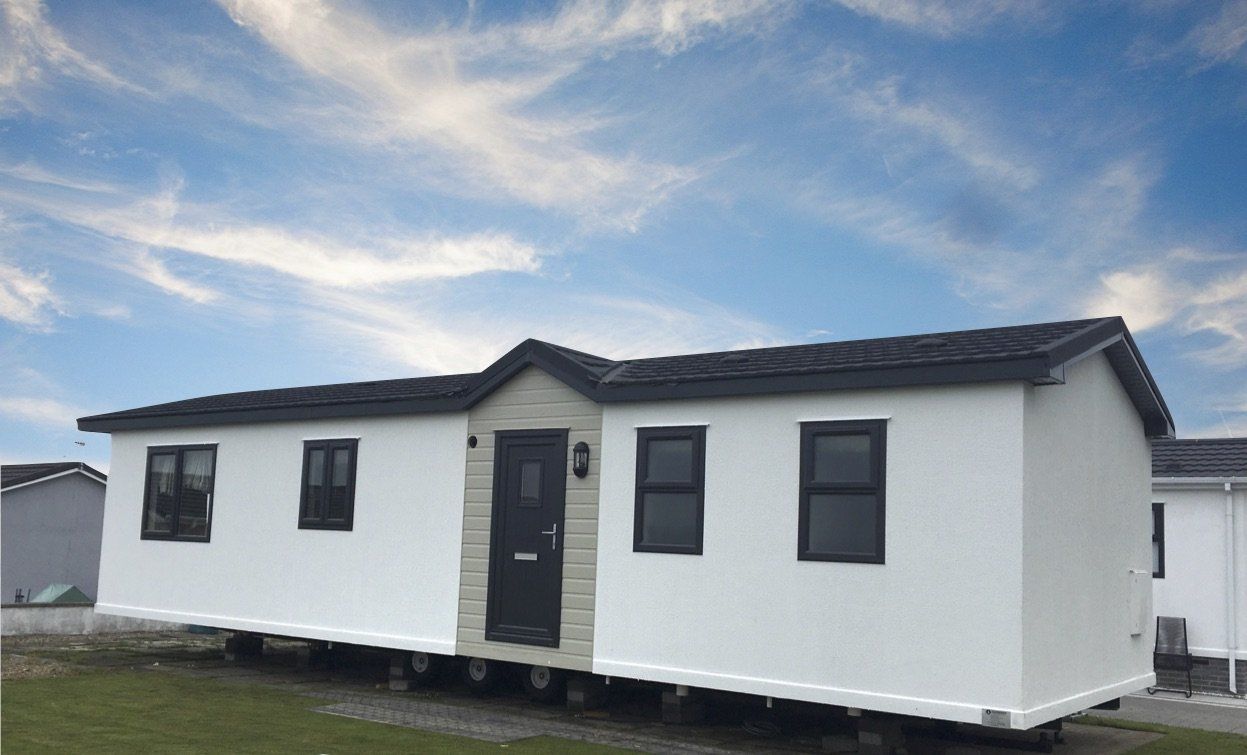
x,y
580,459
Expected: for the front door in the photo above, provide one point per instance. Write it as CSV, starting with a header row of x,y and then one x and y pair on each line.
x,y
526,537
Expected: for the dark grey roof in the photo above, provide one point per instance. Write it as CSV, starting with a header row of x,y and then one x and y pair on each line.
x,y
1036,353
17,474
1200,457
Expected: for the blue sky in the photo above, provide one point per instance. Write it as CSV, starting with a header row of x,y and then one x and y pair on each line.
x,y
259,194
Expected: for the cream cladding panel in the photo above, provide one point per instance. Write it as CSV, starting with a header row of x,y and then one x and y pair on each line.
x,y
532,400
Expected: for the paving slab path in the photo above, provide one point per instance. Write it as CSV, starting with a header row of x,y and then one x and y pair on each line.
x,y
1207,712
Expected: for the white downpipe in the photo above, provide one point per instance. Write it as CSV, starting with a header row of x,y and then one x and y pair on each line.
x,y
1231,619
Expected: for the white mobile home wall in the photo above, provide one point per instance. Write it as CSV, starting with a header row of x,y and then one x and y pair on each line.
x,y
392,581
1194,585
949,626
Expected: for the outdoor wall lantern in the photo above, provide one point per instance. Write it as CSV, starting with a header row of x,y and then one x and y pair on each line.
x,y
580,459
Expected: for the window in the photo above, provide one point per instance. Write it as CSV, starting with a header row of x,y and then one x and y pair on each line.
x,y
1158,540
177,497
328,498
670,489
841,506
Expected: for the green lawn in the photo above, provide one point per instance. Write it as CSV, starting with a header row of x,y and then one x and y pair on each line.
x,y
1177,741
136,711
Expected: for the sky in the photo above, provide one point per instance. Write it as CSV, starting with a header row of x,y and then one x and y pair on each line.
x,y
209,197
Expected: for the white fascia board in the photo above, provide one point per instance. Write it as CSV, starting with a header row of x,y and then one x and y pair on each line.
x,y
82,472
1193,482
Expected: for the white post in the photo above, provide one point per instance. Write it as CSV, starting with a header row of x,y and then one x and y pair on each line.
x,y
1231,610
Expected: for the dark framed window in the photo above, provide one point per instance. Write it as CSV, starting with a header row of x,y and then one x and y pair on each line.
x,y
1158,540
841,513
327,501
177,495
670,489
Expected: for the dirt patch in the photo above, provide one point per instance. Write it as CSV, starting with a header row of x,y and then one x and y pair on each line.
x,y
15,666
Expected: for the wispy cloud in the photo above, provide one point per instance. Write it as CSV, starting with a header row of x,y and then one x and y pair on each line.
x,y
1163,293
948,18
32,46
430,337
1222,37
162,221
468,98
44,412
27,299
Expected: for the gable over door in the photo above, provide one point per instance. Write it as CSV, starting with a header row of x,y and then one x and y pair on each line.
x,y
532,400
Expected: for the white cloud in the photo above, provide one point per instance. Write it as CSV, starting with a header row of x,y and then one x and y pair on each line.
x,y
32,46
948,18
468,98
430,337
40,411
162,221
26,299
1164,293
1222,37
948,128
1145,297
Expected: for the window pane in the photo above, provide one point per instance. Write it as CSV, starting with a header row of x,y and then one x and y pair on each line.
x,y
1155,557
338,489
669,460
669,519
315,493
160,492
842,524
530,481
196,485
842,458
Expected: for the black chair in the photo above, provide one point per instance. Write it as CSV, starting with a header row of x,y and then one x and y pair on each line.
x,y
1171,653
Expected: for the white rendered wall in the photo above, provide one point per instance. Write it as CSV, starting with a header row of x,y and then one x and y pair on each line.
x,y
936,631
392,581
1087,525
1194,582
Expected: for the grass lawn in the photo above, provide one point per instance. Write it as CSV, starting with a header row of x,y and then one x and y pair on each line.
x,y
1176,740
138,711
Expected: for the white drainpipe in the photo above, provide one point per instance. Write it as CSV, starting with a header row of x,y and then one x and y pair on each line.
x,y
1231,622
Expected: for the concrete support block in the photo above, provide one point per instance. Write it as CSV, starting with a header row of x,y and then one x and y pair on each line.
x,y
878,735
402,677
241,646
315,654
686,708
585,692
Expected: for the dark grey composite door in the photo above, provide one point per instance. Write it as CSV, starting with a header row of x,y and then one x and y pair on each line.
x,y
526,537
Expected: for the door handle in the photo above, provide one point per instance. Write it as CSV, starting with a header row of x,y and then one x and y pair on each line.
x,y
554,535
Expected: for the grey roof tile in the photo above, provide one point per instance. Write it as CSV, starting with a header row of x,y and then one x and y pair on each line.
x,y
1200,457
16,474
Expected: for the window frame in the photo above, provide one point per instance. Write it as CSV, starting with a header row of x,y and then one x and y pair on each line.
x,y
1158,537
176,516
877,430
329,445
695,433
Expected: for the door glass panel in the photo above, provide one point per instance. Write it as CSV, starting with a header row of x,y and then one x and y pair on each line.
x,y
669,519
669,460
530,482
842,458
196,487
160,493
842,523
315,482
338,484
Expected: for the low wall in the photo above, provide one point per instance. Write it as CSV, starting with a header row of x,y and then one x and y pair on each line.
x,y
71,618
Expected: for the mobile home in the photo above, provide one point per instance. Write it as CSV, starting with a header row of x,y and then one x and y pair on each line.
x,y
1199,555
951,526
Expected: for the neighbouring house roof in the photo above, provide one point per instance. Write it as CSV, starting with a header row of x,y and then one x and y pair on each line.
x,y
1035,353
12,475
60,593
1200,457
